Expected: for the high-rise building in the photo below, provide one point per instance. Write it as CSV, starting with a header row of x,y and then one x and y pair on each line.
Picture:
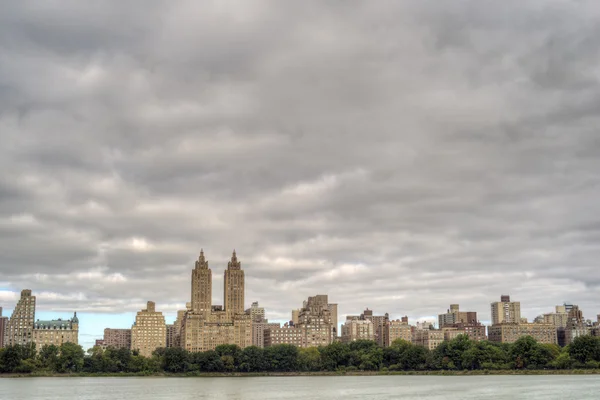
x,y
286,334
257,314
202,287
505,311
19,329
149,331
234,287
398,329
455,316
117,338
356,329
205,326
295,315
333,311
172,336
56,332
315,318
3,324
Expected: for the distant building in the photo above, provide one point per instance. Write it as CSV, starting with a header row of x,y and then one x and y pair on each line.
x,y
398,329
316,320
428,338
3,324
100,343
172,336
455,316
204,326
295,315
149,331
511,332
379,325
117,338
56,332
355,329
505,311
474,331
286,334
257,314
19,329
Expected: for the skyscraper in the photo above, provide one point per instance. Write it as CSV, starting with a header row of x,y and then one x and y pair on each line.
x,y
205,326
149,331
19,329
505,311
234,287
202,286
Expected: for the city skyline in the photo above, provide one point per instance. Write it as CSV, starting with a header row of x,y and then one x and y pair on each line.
x,y
400,156
198,304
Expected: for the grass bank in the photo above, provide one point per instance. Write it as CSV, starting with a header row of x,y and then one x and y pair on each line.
x,y
319,373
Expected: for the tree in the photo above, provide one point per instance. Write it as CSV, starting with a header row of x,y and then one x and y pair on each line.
x,y
252,359
70,358
282,357
309,359
334,356
48,356
526,352
175,360
585,349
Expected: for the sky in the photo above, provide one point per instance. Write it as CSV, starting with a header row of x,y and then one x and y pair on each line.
x,y
396,155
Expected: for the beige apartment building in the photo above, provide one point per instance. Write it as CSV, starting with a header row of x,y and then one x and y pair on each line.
x,y
56,332
356,329
316,319
398,329
205,326
505,311
117,338
428,338
511,332
19,329
149,331
3,324
455,316
286,334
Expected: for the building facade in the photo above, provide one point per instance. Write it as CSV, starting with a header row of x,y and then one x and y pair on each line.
x,y
398,329
205,326
356,329
149,331
428,338
455,316
511,332
19,329
56,332
316,321
505,311
117,338
286,334
3,325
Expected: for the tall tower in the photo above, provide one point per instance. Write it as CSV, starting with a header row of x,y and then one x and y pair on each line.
x,y
202,287
506,311
234,287
19,329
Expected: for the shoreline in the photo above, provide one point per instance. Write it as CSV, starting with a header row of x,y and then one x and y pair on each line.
x,y
300,374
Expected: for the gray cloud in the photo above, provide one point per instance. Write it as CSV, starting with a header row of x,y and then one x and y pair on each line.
x,y
396,156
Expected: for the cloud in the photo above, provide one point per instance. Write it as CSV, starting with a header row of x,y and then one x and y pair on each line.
x,y
395,156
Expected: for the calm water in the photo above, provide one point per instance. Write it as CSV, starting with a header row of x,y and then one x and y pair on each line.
x,y
266,388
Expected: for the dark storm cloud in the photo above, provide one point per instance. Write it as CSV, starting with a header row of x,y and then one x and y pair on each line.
x,y
397,156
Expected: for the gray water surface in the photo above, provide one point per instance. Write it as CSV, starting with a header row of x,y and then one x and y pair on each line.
x,y
328,387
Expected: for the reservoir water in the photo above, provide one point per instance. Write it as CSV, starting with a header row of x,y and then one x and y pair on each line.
x,y
563,387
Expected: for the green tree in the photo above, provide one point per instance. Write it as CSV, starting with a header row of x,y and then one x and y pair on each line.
x,y
252,359
334,356
527,353
309,359
48,356
70,358
585,349
282,357
175,360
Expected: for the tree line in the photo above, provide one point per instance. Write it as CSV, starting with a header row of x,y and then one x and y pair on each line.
x,y
460,353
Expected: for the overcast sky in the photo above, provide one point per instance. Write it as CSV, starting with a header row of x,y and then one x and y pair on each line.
x,y
399,156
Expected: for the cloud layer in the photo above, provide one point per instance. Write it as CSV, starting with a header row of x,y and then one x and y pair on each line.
x,y
394,155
